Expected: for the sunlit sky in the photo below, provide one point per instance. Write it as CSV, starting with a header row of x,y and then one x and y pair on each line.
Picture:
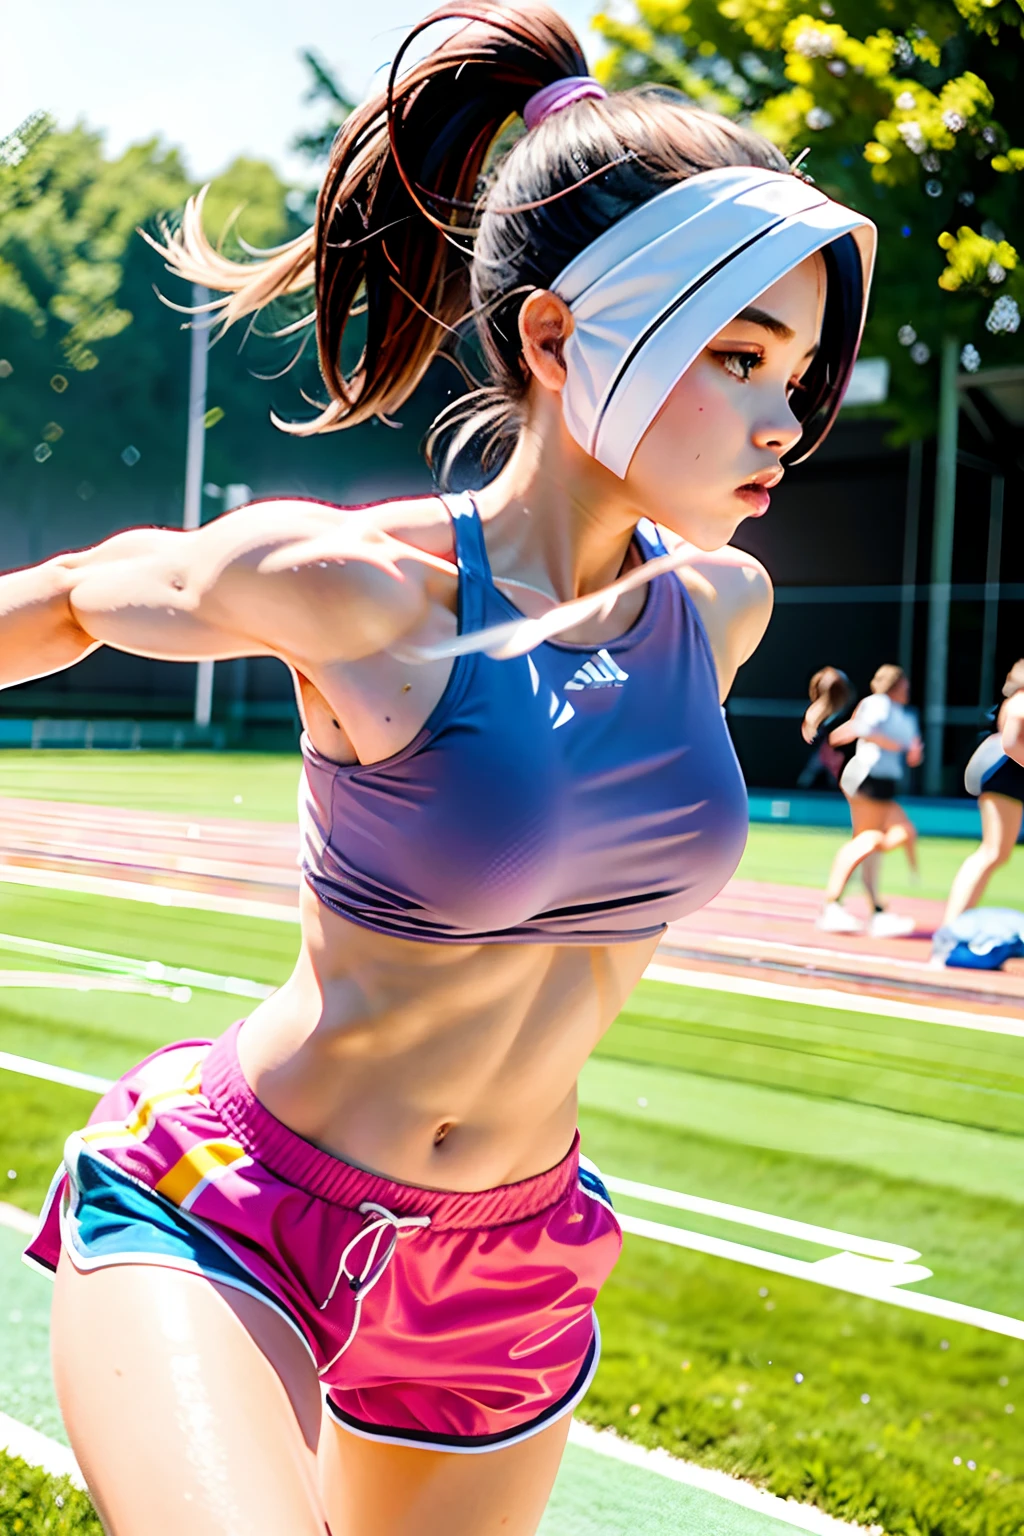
x,y
219,78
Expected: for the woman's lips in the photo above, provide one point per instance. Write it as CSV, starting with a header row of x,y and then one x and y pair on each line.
x,y
756,498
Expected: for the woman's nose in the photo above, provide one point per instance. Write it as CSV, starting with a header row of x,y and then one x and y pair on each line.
x,y
780,430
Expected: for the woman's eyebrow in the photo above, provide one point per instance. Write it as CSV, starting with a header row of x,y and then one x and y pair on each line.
x,y
755,316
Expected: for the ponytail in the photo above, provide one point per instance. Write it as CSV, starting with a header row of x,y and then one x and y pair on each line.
x,y
396,213
829,691
421,223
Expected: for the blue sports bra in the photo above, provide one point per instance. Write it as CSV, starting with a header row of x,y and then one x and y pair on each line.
x,y
575,795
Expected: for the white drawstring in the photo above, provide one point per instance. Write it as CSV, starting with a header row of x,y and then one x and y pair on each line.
x,y
362,1284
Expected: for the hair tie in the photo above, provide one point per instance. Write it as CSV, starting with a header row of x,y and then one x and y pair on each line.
x,y
561,93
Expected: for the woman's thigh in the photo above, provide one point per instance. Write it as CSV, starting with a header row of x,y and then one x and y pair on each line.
x,y
868,814
1000,824
371,1489
189,1405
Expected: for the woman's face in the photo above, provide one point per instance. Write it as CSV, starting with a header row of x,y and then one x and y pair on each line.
x,y
711,455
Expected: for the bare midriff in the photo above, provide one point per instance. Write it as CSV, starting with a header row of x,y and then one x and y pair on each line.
x,y
445,1066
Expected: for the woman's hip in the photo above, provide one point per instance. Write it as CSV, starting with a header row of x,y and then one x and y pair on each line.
x,y
464,1317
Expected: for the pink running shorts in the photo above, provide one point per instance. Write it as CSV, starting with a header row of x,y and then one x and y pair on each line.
x,y
458,1322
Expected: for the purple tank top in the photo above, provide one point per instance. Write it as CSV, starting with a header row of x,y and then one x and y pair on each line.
x,y
576,795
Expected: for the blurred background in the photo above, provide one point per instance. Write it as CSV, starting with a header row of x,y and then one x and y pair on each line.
x,y
110,115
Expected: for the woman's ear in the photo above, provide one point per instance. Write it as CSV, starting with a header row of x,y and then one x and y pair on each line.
x,y
545,324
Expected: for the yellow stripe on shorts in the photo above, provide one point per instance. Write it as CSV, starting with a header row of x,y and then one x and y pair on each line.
x,y
202,1160
139,1123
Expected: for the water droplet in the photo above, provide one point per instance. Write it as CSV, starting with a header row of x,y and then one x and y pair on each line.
x,y
130,455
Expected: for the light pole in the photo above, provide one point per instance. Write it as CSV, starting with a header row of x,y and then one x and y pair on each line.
x,y
942,569
196,447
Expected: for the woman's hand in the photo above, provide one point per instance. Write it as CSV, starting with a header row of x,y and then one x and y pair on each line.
x,y
844,734
915,753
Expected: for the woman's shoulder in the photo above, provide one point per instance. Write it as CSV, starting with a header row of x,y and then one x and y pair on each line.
x,y
423,522
732,592
730,576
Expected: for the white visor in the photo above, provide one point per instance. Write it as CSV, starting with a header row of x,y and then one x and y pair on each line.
x,y
650,293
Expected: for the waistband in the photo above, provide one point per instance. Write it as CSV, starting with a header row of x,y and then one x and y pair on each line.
x,y
296,1160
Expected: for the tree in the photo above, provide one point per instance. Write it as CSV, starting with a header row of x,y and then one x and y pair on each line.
x,y
94,369
913,114
325,87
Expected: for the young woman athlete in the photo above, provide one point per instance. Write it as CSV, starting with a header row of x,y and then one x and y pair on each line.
x,y
337,1269
886,733
998,782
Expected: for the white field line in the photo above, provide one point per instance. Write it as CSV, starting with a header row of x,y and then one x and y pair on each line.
x,y
68,982
121,965
39,1450
29,1068
840,1272
848,1270
605,1442
829,997
18,1220
826,1237
154,895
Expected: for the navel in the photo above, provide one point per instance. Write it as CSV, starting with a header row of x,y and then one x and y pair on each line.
x,y
442,1131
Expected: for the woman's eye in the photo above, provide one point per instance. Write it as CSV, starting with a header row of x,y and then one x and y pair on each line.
x,y
741,364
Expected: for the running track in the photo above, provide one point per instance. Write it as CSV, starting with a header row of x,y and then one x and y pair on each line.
x,y
753,929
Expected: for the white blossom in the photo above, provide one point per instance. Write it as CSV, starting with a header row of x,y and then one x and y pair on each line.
x,y
813,43
953,121
970,358
906,101
995,272
1004,315
906,335
817,117
920,352
912,137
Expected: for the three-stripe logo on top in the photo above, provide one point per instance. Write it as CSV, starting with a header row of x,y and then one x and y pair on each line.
x,y
601,671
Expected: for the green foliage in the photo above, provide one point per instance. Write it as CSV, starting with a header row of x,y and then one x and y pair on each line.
x,y
324,87
913,114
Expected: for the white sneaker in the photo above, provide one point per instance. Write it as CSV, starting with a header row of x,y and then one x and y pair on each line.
x,y
891,925
834,918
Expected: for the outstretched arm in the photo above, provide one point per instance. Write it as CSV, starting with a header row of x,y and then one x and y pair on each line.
x,y
293,579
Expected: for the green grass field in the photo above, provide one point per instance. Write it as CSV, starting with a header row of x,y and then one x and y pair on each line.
x,y
905,1132
913,1133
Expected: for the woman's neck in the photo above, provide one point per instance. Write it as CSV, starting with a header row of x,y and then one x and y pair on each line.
x,y
557,522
